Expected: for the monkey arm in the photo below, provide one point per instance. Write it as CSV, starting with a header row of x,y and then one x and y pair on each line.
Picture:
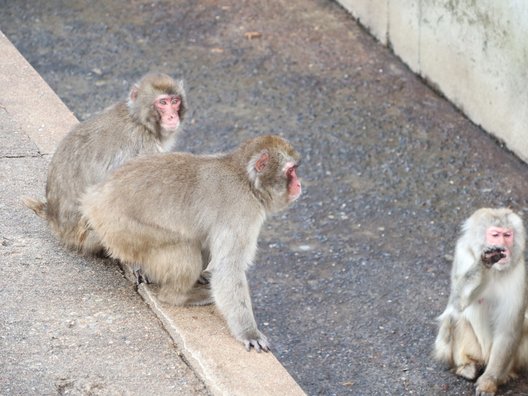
x,y
469,283
231,293
467,278
232,253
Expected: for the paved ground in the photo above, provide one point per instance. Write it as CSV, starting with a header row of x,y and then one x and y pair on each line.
x,y
348,282
70,325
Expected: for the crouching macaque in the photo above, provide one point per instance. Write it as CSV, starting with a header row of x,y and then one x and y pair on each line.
x,y
158,212
483,328
146,123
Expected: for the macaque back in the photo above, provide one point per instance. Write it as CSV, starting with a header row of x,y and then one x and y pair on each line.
x,y
146,123
159,212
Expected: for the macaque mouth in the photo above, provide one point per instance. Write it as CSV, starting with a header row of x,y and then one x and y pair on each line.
x,y
294,185
171,120
495,255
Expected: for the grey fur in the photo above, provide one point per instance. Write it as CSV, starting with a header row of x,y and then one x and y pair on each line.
x,y
160,212
95,148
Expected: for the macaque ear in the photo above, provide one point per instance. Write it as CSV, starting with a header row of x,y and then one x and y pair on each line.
x,y
134,93
262,161
181,85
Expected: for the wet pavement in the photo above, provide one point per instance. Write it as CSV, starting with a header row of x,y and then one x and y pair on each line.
x,y
347,283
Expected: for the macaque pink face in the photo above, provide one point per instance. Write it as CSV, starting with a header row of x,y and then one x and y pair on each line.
x,y
294,184
168,107
502,237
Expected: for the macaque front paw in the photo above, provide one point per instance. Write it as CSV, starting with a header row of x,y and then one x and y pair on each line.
x,y
486,386
256,340
491,255
140,277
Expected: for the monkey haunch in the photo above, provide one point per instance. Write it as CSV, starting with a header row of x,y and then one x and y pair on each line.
x,y
158,212
145,124
483,325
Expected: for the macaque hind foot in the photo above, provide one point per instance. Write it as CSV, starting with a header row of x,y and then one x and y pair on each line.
x,y
468,371
204,279
199,295
195,296
486,386
140,277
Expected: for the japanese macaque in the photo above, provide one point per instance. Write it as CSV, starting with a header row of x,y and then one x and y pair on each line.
x,y
483,333
158,212
146,123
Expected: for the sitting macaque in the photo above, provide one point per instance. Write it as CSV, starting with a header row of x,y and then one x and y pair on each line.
x,y
483,333
159,212
146,123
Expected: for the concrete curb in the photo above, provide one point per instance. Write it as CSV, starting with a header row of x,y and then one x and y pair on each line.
x,y
21,85
222,363
200,334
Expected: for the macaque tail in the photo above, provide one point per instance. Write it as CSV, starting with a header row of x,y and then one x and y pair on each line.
x,y
443,343
39,207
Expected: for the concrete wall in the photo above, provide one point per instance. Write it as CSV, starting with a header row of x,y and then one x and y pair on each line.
x,y
474,51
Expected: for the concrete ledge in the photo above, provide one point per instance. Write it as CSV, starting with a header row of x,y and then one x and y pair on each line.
x,y
30,101
222,363
474,52
200,334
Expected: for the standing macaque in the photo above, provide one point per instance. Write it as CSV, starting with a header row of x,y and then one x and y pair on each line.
x,y
483,328
146,123
158,212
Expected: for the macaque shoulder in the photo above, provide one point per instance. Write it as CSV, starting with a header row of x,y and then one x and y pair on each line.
x,y
214,176
210,179
467,256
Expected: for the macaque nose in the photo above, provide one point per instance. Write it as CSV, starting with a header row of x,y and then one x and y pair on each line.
x,y
498,239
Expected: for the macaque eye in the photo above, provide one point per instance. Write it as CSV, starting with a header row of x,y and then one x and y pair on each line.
x,y
162,102
176,100
291,170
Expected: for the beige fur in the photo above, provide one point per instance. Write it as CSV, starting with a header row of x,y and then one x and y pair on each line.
x,y
159,212
483,325
95,148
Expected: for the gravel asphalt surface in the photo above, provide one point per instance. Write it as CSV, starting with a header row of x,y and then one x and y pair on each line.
x,y
348,282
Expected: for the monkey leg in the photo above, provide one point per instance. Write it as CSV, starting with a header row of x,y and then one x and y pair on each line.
x,y
75,233
177,268
92,245
499,368
521,358
467,354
